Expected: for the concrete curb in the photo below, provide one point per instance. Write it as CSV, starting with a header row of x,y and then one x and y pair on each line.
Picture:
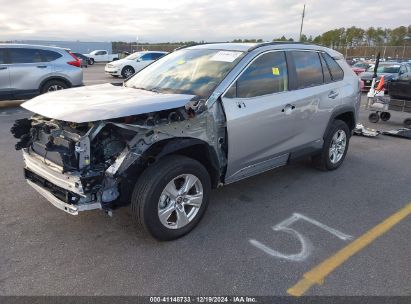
x,y
4,104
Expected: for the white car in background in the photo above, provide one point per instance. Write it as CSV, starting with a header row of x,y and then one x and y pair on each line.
x,y
100,56
133,63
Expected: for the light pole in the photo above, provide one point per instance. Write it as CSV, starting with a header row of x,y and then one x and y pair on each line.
x,y
302,22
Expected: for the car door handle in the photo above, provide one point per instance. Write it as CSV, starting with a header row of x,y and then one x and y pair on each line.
x,y
288,108
3,68
42,66
333,94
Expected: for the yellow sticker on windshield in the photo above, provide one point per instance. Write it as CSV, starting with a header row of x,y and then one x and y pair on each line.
x,y
182,61
276,71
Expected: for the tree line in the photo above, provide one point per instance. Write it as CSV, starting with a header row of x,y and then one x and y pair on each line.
x,y
353,36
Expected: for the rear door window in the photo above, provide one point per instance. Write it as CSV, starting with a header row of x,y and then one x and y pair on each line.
x,y
336,71
308,68
326,71
155,56
265,75
21,55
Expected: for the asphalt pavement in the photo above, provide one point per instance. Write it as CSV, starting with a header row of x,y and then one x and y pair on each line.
x,y
45,251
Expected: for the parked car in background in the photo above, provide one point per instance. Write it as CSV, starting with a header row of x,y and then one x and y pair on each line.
x,y
360,67
132,63
27,70
100,56
196,119
84,59
390,70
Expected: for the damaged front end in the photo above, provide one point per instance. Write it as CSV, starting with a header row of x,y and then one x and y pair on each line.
x,y
94,165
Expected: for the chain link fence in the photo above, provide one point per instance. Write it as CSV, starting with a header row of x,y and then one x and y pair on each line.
x,y
389,52
131,48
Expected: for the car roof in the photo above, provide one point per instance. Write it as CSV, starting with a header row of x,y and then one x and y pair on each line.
x,y
248,47
144,52
32,46
242,47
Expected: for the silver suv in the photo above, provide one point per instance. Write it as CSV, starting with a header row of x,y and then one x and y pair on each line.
x,y
27,70
196,119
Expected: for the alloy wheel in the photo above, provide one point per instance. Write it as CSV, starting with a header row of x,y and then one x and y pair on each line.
x,y
55,87
180,201
337,146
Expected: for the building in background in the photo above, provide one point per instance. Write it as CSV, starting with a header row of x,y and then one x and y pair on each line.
x,y
82,47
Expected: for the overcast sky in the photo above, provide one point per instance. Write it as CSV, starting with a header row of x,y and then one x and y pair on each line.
x,y
182,20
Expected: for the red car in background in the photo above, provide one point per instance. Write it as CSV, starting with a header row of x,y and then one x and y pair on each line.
x,y
360,67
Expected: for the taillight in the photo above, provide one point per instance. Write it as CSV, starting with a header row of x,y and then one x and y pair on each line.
x,y
76,62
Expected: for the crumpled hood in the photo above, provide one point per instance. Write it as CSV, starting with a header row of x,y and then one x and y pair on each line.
x,y
101,102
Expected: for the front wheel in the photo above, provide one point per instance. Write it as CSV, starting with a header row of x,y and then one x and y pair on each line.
x,y
334,148
171,196
127,71
90,61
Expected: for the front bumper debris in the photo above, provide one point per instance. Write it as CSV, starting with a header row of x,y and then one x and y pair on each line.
x,y
63,190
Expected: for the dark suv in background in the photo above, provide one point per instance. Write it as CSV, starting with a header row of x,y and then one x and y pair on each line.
x,y
27,70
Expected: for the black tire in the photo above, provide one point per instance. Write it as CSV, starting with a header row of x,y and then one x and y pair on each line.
x,y
407,123
374,117
385,116
322,161
53,85
90,61
127,71
145,199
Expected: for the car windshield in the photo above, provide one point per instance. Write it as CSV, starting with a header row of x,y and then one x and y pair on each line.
x,y
195,71
386,69
361,65
133,56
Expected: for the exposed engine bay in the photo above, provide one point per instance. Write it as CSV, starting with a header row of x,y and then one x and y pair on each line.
x,y
93,165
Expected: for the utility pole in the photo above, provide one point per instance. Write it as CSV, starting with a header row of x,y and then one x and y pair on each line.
x,y
302,22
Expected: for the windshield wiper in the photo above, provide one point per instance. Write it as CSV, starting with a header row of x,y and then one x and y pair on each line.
x,y
155,90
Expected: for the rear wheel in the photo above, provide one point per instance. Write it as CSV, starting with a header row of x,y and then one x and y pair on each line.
x,y
407,123
127,71
171,196
53,85
334,148
385,116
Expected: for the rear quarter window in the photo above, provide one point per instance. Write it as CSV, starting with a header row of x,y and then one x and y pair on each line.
x,y
50,55
336,71
308,68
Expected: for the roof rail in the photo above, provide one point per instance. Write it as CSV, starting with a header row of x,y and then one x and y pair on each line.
x,y
199,43
276,43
